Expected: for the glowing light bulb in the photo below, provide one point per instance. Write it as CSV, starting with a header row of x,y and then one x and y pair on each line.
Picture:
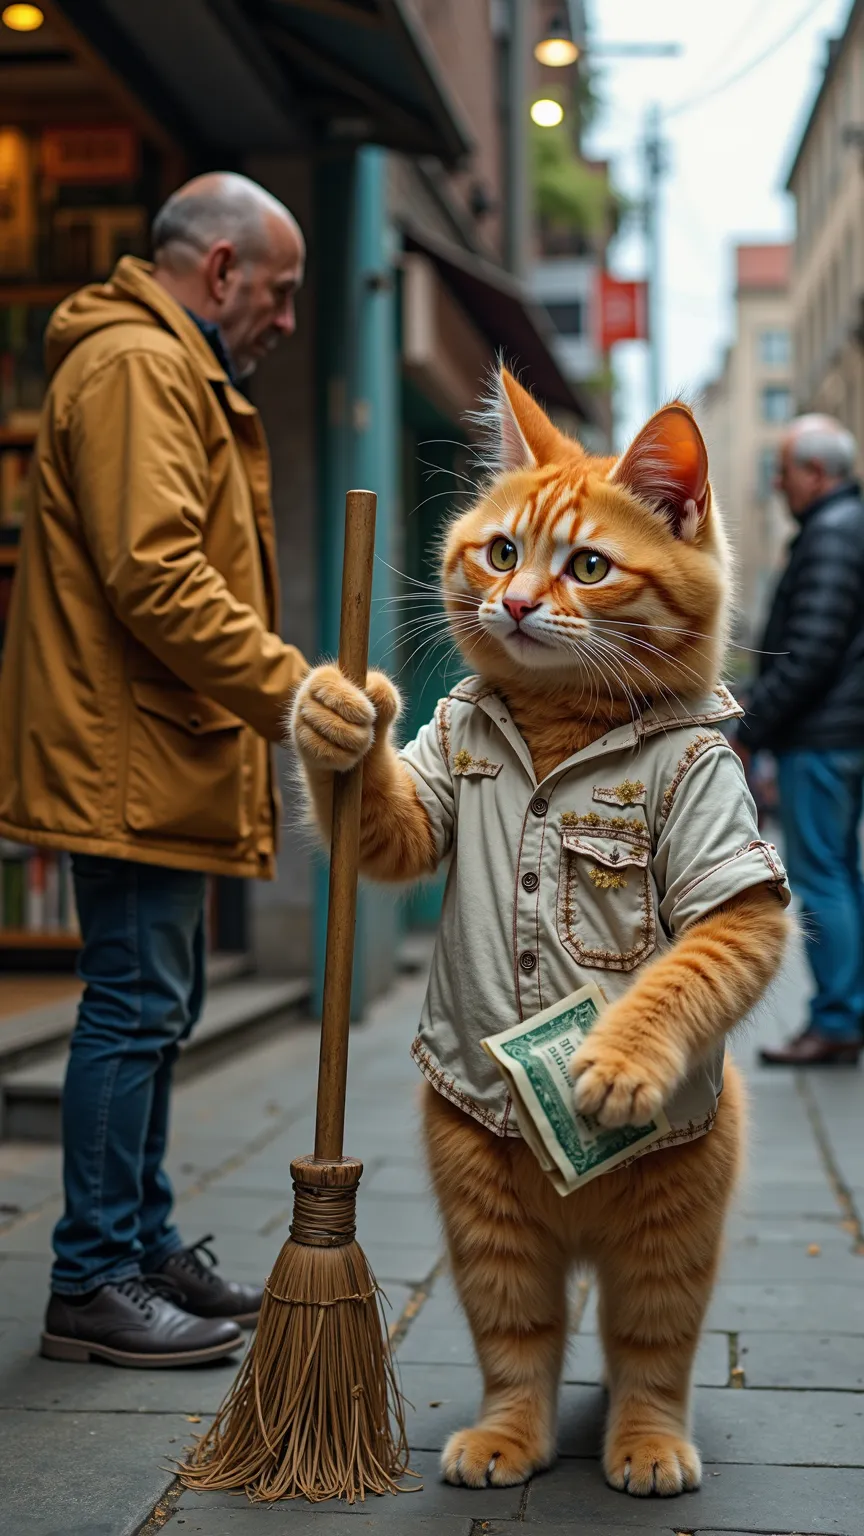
x,y
22,18
546,113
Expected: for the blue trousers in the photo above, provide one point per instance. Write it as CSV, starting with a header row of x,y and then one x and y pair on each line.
x,y
142,963
820,808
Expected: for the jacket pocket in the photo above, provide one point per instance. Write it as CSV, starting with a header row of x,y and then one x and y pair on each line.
x,y
605,907
185,767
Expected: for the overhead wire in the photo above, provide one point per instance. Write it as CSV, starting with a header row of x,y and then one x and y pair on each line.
x,y
693,103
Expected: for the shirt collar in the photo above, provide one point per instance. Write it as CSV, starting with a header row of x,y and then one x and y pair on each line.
x,y
711,710
216,342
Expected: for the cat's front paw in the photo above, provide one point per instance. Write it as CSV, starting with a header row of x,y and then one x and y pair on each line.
x,y
618,1087
491,1458
642,1463
332,721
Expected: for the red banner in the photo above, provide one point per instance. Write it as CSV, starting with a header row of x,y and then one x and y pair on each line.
x,y
622,311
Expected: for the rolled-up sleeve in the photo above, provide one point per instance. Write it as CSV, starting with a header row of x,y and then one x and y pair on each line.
x,y
709,848
429,767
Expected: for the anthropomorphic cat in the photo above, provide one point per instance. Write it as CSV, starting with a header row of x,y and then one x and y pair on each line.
x,y
598,828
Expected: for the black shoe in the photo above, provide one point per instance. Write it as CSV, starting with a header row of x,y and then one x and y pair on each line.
x,y
134,1323
204,1293
811,1049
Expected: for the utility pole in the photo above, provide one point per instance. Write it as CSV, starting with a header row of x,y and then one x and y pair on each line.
x,y
655,166
518,219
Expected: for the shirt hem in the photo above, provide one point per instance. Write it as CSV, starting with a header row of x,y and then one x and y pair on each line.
x,y
447,1086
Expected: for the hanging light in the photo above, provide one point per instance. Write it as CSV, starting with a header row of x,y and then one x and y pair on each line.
x,y
22,18
546,113
556,47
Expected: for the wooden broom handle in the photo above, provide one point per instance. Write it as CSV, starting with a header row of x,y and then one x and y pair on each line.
x,y
345,842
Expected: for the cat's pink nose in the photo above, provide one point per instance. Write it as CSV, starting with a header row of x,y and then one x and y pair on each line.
x,y
517,607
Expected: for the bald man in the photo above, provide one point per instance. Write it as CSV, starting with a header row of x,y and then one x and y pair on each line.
x,y
144,679
807,707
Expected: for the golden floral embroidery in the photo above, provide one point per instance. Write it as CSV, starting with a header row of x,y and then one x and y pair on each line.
x,y
636,829
628,792
442,723
701,743
606,879
464,763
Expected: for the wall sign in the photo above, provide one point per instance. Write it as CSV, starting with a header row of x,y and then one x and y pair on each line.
x,y
101,154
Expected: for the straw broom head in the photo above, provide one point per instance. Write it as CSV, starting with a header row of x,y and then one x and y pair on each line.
x,y
312,1409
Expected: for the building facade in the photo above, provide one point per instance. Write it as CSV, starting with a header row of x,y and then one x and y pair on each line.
x,y
743,413
828,279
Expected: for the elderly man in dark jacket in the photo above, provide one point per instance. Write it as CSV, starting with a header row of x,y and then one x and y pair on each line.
x,y
807,707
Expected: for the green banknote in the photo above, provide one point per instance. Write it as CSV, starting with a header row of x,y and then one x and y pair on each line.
x,y
534,1060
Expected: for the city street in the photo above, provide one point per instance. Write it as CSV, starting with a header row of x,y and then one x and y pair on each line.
x,y
780,1373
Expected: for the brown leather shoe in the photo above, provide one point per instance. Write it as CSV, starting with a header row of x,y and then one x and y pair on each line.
x,y
811,1049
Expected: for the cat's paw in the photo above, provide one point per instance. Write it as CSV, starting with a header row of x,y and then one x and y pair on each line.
x,y
385,700
332,722
643,1464
491,1458
617,1087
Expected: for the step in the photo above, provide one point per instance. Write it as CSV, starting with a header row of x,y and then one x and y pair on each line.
x,y
26,1036
235,1013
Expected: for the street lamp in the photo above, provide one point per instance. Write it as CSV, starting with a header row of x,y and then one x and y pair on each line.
x,y
547,113
556,47
22,18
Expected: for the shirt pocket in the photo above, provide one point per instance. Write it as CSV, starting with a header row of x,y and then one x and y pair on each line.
x,y
605,906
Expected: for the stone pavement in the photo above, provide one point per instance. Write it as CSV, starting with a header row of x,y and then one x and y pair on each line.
x,y
87,1450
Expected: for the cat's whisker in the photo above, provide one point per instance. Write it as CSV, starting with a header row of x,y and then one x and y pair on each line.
x,y
664,656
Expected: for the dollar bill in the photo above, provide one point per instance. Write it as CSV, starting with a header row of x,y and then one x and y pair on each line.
x,y
534,1060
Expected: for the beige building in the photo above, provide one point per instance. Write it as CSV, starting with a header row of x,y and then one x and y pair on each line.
x,y
743,415
827,288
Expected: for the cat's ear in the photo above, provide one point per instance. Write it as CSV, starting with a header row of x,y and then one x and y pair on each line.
x,y
523,436
666,465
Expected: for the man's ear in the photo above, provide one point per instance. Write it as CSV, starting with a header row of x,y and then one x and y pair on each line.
x,y
666,466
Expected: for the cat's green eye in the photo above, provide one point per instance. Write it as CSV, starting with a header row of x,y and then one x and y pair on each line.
x,y
503,554
587,566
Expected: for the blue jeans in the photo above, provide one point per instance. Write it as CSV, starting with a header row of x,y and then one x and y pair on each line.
x,y
142,962
820,808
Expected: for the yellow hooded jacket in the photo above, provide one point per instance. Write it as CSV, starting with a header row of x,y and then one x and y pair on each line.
x,y
143,676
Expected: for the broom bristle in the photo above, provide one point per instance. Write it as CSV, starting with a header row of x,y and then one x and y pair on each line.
x,y
310,1412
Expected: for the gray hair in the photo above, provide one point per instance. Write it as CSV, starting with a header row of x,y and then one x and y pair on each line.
x,y
822,440
218,206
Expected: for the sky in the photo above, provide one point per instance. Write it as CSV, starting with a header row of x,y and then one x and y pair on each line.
x,y
728,158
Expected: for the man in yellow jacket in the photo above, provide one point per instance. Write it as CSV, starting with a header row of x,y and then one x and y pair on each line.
x,y
143,681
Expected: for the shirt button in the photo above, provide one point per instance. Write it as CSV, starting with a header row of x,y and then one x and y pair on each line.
x,y
195,722
530,881
539,806
528,960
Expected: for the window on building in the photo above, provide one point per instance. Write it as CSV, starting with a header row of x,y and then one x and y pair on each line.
x,y
775,348
766,469
776,403
568,318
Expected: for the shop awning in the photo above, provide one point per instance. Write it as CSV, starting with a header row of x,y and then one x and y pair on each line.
x,y
257,75
512,322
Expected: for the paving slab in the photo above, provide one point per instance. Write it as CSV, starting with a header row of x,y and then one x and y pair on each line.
x,y
791,1307
322,1521
822,1361
769,1500
431,1500
84,1474
762,1262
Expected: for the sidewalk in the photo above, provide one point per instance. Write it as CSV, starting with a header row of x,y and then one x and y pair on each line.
x,y
86,1451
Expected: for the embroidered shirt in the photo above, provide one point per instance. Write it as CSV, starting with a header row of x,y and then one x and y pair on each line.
x,y
582,877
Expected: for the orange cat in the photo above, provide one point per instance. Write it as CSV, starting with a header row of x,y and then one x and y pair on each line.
x,y
598,828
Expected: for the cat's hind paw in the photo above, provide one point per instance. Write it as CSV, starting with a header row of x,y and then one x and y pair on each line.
x,y
490,1458
645,1464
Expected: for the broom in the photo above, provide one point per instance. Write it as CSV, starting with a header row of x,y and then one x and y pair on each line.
x,y
310,1411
